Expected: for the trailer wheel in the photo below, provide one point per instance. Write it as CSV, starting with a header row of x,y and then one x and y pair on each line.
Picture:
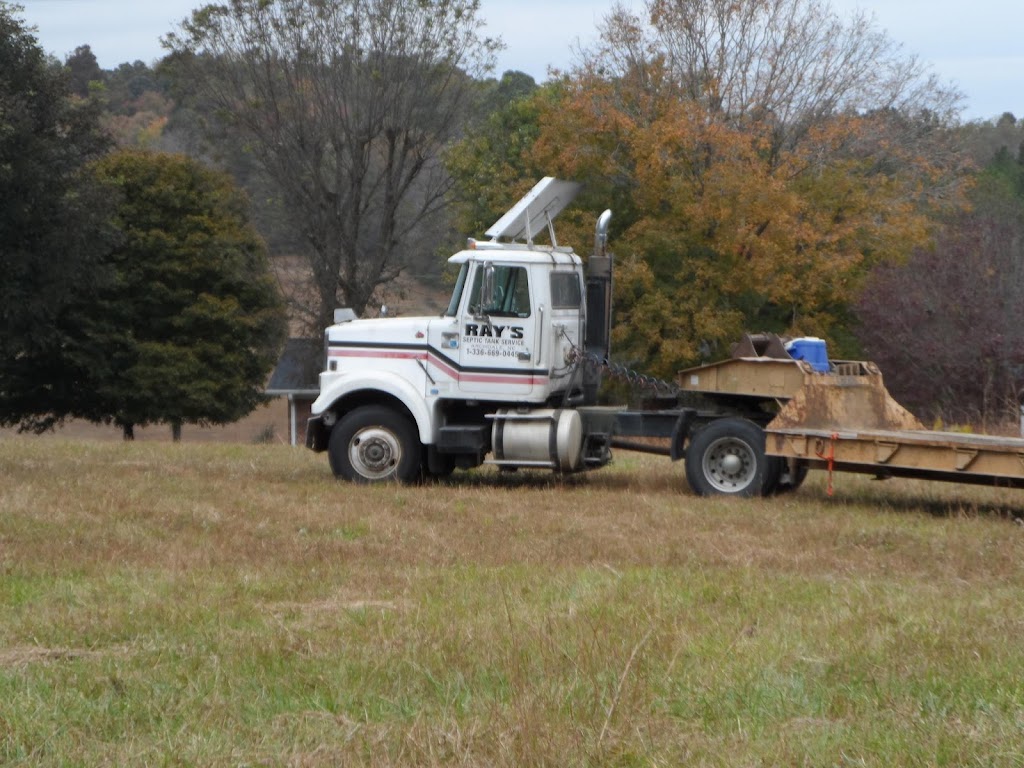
x,y
775,470
727,458
790,481
374,444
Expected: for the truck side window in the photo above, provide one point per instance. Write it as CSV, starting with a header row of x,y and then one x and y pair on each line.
x,y
565,290
511,297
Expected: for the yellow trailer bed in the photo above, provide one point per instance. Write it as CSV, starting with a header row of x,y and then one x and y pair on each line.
x,y
948,456
843,420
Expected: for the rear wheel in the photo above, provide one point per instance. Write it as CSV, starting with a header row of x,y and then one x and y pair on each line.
x,y
375,444
727,458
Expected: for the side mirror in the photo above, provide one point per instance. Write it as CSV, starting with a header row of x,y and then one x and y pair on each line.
x,y
487,287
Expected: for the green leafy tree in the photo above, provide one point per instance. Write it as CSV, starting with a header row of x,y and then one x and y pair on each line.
x,y
53,228
192,322
491,164
84,70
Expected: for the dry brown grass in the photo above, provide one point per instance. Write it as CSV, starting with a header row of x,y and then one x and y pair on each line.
x,y
229,604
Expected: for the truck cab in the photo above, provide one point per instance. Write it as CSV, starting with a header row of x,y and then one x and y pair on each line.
x,y
497,370
510,331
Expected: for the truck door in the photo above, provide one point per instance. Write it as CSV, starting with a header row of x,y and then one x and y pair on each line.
x,y
499,355
567,324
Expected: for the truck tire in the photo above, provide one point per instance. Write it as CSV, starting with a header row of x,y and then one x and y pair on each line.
x,y
727,458
374,444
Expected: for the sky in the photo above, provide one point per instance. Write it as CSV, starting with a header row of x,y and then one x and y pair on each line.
x,y
977,46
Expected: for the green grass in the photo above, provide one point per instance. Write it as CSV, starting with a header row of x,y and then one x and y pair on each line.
x,y
234,605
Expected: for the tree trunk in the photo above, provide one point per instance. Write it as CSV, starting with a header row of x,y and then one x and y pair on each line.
x,y
128,431
176,431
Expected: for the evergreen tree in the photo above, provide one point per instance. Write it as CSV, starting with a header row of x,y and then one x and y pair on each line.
x,y
191,324
52,228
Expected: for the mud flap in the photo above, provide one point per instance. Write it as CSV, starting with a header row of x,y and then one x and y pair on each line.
x,y
317,434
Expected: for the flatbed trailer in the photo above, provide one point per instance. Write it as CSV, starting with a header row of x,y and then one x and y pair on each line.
x,y
839,420
923,454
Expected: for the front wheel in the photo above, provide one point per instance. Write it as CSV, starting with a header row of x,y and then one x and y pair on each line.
x,y
727,458
374,444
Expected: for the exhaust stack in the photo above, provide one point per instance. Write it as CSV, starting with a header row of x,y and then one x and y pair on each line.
x,y
599,292
599,308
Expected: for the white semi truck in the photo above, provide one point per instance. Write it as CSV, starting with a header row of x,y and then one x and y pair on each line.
x,y
509,375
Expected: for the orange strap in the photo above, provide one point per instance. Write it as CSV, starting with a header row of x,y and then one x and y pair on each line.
x,y
830,458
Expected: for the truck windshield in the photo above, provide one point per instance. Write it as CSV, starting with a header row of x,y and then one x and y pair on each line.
x,y
460,284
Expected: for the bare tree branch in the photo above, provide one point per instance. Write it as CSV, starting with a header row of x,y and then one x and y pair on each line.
x,y
346,104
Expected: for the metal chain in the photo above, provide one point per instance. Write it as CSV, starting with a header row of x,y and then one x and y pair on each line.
x,y
634,379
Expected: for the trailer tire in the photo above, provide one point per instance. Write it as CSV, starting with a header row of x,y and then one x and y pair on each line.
x,y
727,458
374,444
775,468
792,480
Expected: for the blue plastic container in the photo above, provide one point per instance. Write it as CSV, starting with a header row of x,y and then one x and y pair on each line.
x,y
810,349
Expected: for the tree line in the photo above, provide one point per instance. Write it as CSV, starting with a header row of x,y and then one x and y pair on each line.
x,y
134,290
771,165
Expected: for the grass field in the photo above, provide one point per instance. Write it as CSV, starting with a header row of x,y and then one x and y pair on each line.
x,y
233,605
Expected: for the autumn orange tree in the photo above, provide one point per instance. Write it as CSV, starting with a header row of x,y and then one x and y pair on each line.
x,y
761,155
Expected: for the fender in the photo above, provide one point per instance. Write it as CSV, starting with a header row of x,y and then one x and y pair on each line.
x,y
386,383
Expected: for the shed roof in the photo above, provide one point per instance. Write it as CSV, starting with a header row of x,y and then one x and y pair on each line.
x,y
298,370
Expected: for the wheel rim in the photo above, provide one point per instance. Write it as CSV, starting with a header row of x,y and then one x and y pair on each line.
x,y
374,452
730,465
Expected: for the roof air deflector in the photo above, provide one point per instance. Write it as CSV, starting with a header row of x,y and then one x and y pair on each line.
x,y
536,210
